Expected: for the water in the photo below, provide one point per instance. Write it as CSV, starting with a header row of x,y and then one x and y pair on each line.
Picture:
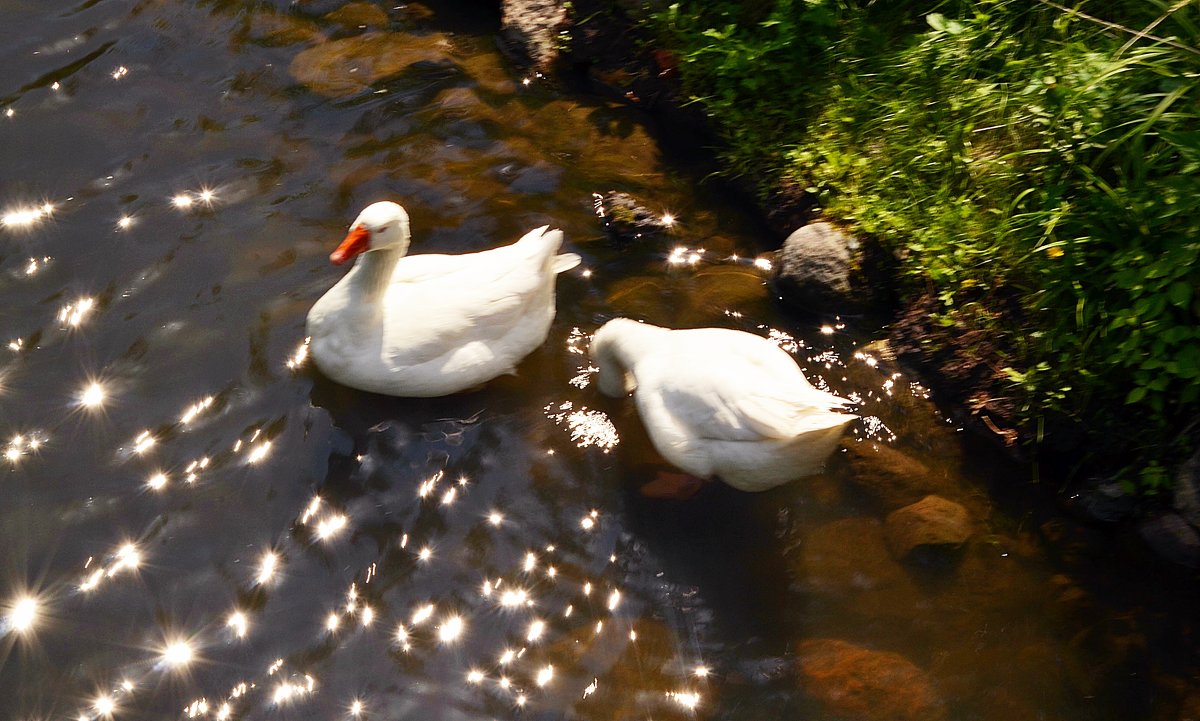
x,y
196,524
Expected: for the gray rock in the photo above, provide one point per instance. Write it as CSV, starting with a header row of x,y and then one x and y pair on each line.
x,y
1172,538
1101,500
813,268
529,30
1187,490
931,522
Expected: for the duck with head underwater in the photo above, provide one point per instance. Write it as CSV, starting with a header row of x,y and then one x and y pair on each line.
x,y
432,325
719,403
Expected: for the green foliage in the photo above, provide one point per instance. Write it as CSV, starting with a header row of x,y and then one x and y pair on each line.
x,y
1003,149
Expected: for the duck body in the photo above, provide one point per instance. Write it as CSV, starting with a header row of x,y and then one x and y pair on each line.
x,y
432,325
718,402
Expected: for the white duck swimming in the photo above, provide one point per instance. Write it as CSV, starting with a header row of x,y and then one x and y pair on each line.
x,y
719,402
432,325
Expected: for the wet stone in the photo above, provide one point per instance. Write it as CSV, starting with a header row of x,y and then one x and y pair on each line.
x,y
349,66
625,219
1172,538
932,522
860,684
529,30
359,15
892,478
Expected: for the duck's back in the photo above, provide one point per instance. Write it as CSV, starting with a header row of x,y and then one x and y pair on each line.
x,y
451,322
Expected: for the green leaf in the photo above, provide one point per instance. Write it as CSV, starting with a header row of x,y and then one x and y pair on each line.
x,y
937,21
1180,294
1135,395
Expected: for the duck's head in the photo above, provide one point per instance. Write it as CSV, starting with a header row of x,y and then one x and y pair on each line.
x,y
382,225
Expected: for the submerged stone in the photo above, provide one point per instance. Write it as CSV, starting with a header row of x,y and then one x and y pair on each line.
x,y
892,478
931,522
625,219
359,14
339,68
861,684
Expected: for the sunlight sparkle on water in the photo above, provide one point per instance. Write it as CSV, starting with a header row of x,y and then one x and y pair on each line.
x,y
144,442
238,623
267,566
93,396
178,654
125,222
451,629
195,409
26,217
356,708
157,482
475,676
422,614
22,617
331,526
687,699
182,201
536,629
614,600
72,314
495,518
104,705
259,452
545,675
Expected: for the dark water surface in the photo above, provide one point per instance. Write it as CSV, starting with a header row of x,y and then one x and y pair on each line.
x,y
196,524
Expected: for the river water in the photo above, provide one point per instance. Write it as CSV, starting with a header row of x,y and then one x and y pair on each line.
x,y
196,524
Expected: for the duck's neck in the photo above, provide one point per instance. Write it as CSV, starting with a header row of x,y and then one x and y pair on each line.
x,y
615,349
371,275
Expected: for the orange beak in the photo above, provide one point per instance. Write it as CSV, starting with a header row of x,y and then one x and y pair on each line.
x,y
357,241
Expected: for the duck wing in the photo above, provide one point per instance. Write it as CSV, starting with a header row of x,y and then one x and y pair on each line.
x,y
436,304
733,386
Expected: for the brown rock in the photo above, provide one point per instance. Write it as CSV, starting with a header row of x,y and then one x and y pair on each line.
x,y
348,66
932,521
359,14
891,477
859,684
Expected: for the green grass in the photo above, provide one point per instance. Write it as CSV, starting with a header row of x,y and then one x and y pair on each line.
x,y
1036,167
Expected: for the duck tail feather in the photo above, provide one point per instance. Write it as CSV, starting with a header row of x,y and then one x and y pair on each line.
x,y
566,261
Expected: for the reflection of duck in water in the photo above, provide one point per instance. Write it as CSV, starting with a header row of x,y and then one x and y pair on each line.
x,y
719,402
432,325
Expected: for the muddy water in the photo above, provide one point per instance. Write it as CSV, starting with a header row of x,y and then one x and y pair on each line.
x,y
196,524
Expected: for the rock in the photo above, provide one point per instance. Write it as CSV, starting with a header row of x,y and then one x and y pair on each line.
x,y
348,66
932,521
1187,490
813,268
894,479
859,684
529,31
624,219
359,15
1100,500
1172,538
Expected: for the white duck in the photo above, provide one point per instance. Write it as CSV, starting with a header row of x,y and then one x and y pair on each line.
x,y
718,402
432,325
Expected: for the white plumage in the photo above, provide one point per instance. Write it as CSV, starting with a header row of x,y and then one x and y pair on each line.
x,y
432,325
718,402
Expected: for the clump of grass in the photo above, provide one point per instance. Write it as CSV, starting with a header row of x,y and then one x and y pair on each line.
x,y
999,148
